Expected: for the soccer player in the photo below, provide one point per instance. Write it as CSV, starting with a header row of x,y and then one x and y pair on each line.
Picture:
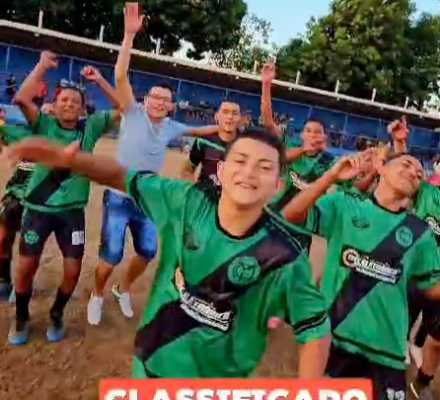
x,y
11,207
226,264
375,248
144,135
307,159
427,207
209,150
55,198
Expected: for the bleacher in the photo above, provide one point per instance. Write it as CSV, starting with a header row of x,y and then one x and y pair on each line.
x,y
348,121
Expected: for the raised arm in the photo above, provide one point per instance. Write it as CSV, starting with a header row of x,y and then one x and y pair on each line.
x,y
345,169
399,133
203,130
28,89
94,75
157,197
267,78
133,24
100,169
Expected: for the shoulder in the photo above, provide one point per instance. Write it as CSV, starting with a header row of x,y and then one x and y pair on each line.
x,y
427,188
45,122
287,239
291,143
135,112
415,223
212,140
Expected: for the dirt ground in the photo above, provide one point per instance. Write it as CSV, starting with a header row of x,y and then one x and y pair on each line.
x,y
71,370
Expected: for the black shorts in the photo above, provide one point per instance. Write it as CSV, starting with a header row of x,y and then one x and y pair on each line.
x,y
388,383
11,212
430,314
68,227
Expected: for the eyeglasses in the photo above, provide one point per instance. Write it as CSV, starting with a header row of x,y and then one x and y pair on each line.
x,y
160,98
66,84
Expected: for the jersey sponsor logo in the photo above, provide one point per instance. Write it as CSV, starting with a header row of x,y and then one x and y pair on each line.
x,y
201,310
360,222
297,181
434,224
31,237
244,271
78,238
361,262
404,236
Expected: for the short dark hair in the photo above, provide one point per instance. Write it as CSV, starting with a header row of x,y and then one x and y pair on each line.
x,y
65,84
317,121
264,136
162,85
398,155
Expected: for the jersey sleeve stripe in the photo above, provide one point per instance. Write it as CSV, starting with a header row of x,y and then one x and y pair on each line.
x,y
426,277
310,323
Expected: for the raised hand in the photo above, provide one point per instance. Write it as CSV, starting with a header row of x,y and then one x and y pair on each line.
x,y
91,74
314,143
44,152
134,20
47,108
399,130
268,74
351,167
48,60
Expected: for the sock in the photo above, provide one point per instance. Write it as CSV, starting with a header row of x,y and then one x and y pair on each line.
x,y
22,306
423,379
57,310
5,270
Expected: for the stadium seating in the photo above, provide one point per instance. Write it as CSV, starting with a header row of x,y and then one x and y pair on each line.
x,y
201,101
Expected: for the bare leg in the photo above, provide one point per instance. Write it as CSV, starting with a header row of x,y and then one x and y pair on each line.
x,y
102,273
136,268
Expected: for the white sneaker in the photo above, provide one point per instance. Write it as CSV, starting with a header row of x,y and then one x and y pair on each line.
x,y
94,310
124,301
416,355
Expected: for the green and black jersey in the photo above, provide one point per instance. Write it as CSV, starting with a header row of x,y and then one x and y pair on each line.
x,y
207,152
214,293
427,207
372,256
17,184
55,190
301,173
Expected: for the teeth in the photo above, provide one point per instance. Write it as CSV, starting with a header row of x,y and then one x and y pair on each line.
x,y
245,185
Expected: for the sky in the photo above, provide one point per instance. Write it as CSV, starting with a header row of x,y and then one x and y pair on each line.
x,y
289,17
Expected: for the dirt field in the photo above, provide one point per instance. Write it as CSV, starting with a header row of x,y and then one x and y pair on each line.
x,y
72,369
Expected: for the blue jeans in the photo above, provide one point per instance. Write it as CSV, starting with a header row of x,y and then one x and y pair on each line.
x,y
120,212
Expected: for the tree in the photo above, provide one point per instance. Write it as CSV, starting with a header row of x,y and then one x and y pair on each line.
x,y
252,46
367,44
210,25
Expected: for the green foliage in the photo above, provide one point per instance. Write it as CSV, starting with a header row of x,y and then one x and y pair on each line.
x,y
210,25
252,45
367,44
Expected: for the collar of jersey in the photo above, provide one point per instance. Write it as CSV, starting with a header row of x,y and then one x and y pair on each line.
x,y
376,203
251,231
